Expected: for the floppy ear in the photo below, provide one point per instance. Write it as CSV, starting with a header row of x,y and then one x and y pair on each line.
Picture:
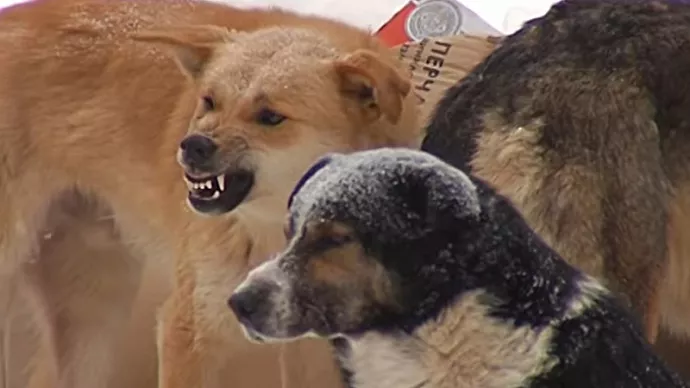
x,y
193,45
321,163
436,200
378,86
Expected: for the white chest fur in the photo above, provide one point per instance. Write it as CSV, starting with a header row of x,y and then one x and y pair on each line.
x,y
383,362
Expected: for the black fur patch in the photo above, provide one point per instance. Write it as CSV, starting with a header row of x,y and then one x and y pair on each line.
x,y
604,348
497,253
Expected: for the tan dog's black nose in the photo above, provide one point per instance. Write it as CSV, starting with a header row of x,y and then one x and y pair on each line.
x,y
197,150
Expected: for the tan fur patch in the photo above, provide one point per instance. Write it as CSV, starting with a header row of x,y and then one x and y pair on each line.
x,y
512,161
347,264
463,347
338,265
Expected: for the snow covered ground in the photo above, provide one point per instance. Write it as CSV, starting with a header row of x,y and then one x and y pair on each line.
x,y
504,15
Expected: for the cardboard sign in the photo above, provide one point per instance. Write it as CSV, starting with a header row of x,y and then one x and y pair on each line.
x,y
436,64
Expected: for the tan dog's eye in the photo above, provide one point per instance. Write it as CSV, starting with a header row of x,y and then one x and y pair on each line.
x,y
269,117
209,103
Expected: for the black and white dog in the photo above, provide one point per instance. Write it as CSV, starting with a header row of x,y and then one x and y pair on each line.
x,y
426,277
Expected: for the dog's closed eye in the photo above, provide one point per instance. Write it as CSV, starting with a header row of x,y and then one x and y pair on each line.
x,y
332,241
328,236
321,236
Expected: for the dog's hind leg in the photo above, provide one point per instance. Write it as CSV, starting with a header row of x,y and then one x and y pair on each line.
x,y
83,286
178,358
8,293
16,248
634,236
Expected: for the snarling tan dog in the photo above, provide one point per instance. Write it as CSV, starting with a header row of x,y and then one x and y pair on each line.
x,y
93,103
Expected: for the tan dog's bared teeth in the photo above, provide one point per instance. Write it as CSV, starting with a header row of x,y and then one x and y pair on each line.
x,y
221,183
215,195
196,186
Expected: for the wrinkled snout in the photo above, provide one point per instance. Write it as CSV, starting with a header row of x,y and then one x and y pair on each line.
x,y
216,179
197,153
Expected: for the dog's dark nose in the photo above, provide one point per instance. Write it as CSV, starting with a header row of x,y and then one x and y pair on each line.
x,y
197,149
245,304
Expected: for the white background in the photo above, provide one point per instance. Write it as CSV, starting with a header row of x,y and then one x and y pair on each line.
x,y
504,15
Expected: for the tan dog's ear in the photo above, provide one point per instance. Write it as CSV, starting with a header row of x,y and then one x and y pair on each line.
x,y
379,87
193,45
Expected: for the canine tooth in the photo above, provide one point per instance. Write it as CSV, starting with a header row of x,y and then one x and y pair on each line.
x,y
215,195
221,182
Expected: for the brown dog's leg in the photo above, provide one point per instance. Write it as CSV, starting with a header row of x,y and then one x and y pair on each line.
x,y
135,363
193,355
635,224
8,298
179,364
83,286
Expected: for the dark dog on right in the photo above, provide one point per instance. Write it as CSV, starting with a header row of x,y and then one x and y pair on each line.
x,y
582,119
426,278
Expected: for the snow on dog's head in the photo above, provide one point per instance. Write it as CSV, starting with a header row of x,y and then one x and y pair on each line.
x,y
384,189
349,218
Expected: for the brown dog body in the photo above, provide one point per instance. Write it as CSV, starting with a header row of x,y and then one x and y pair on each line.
x,y
580,119
89,108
